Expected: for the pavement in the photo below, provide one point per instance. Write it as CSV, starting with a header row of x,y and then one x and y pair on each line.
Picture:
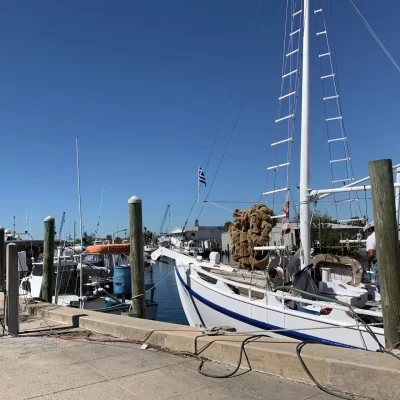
x,y
67,365
53,358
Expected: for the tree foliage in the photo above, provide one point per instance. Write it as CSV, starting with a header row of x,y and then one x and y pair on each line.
x,y
227,224
329,236
148,236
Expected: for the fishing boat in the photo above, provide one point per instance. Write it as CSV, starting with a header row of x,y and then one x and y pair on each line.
x,y
106,281
291,297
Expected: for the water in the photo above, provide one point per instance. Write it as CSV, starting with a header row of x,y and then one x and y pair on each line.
x,y
166,293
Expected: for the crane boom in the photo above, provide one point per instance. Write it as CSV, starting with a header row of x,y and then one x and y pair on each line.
x,y
164,219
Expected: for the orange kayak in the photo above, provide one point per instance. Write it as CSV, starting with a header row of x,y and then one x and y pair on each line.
x,y
109,248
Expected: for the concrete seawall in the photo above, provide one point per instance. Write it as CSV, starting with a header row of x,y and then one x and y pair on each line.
x,y
369,374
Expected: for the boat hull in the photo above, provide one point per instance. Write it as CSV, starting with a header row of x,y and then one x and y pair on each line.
x,y
215,304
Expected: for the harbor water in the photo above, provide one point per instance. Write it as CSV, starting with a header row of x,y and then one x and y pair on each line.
x,y
166,293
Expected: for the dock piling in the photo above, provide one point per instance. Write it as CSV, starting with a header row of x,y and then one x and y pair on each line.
x,y
136,257
2,259
387,250
12,290
48,259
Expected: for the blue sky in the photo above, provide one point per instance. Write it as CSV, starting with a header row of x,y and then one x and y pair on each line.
x,y
144,85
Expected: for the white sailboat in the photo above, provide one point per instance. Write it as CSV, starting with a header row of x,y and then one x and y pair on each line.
x,y
214,294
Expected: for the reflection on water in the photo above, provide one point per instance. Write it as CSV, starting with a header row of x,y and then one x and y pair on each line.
x,y
166,293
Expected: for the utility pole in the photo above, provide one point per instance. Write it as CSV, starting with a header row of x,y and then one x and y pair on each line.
x,y
387,249
14,226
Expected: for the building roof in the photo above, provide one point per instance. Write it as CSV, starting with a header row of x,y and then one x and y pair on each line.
x,y
178,229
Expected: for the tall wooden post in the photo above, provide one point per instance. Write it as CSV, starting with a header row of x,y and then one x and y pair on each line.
x,y
12,308
136,256
48,260
2,259
387,251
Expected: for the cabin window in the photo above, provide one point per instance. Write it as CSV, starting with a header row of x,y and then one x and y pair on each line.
x,y
193,234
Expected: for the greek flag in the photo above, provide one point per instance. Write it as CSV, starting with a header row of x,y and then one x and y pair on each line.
x,y
202,178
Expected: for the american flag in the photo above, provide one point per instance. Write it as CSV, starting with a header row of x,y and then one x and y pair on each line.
x,y
202,178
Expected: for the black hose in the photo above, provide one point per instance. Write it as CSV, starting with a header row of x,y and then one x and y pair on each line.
x,y
330,391
239,363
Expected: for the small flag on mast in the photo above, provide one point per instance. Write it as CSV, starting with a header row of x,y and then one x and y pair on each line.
x,y
202,178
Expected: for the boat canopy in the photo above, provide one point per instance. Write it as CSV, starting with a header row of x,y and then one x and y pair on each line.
x,y
109,248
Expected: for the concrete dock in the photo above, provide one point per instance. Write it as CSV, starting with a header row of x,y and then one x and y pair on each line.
x,y
63,362
72,368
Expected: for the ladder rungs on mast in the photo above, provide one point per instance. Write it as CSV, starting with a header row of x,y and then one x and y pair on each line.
x,y
282,141
284,118
321,33
278,166
297,12
333,118
341,159
330,97
275,191
293,33
327,76
289,73
287,95
324,54
337,139
342,180
292,52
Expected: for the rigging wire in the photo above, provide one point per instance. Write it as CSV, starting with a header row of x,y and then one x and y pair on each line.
x,y
350,164
101,205
375,36
220,125
257,12
224,152
212,149
191,209
292,86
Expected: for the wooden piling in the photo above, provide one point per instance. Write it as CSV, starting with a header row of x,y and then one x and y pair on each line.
x,y
48,260
387,251
136,257
2,259
12,290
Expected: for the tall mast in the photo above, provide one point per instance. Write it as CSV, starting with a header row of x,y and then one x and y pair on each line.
x,y
80,226
305,236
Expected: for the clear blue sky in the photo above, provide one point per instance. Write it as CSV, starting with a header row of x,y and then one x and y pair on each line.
x,y
144,85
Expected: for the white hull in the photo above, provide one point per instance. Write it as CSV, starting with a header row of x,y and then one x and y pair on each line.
x,y
214,304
